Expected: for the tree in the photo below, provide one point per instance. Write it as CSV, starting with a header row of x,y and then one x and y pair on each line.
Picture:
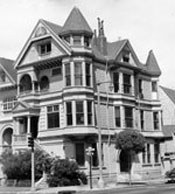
x,y
132,142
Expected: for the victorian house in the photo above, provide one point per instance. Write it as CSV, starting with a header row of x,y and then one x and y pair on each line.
x,y
68,82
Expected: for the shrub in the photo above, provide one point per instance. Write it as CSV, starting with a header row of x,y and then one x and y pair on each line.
x,y
65,173
18,165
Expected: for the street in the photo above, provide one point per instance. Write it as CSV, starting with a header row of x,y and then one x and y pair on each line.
x,y
135,189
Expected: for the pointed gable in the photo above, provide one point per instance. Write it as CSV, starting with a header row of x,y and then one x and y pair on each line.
x,y
170,93
152,65
76,23
43,30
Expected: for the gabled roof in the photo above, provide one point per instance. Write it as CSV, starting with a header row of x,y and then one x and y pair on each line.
x,y
113,48
8,67
170,93
152,64
76,23
56,28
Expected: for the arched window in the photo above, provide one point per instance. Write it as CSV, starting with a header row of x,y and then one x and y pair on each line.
x,y
7,138
25,83
44,83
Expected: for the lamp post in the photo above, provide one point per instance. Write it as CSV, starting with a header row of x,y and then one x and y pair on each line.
x,y
100,181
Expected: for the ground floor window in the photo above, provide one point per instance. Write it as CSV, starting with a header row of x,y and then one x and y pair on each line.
x,y
80,154
156,152
146,155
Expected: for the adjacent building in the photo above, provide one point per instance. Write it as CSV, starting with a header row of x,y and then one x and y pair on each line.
x,y
67,83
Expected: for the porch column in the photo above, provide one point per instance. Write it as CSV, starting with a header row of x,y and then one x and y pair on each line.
x,y
28,125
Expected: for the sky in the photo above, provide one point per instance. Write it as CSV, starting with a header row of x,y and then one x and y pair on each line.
x,y
148,24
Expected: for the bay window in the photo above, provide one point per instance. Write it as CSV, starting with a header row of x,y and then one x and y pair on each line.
x,y
129,117
127,83
79,113
78,74
67,74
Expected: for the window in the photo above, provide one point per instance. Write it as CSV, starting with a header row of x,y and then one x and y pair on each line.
x,y
89,112
44,48
79,113
53,119
80,154
25,83
126,57
154,86
86,41
117,116
9,103
67,74
127,83
146,155
77,40
156,153
78,74
44,83
128,117
142,119
156,120
56,71
69,113
116,81
88,74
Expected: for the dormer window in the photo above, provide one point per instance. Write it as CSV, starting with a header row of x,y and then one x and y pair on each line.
x,y
77,40
44,48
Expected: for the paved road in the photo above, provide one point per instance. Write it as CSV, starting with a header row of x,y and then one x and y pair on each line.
x,y
147,189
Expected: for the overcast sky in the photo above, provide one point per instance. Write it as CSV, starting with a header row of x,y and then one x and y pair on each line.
x,y
148,24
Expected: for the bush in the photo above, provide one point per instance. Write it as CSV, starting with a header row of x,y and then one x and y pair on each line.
x,y
65,173
18,165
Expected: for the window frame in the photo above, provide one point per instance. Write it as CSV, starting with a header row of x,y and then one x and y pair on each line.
x,y
116,82
68,81
44,48
69,115
9,103
128,119
126,83
156,120
78,73
117,119
53,113
80,114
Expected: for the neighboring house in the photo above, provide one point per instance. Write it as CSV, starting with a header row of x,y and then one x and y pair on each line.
x,y
58,72
167,97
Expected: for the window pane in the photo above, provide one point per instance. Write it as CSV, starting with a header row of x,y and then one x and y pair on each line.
x,y
88,75
128,117
154,86
77,40
116,81
117,116
67,74
127,83
78,73
79,113
89,109
69,113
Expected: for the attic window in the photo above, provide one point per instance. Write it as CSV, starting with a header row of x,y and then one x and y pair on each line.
x,y
77,40
44,48
67,39
126,57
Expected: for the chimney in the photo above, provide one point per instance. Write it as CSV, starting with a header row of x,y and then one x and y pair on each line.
x,y
101,39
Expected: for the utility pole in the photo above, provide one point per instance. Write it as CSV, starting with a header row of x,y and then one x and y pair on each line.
x,y
31,144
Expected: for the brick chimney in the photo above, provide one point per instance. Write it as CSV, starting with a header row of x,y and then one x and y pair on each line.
x,y
101,39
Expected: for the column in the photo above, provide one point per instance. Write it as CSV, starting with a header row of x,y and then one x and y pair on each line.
x,y
28,125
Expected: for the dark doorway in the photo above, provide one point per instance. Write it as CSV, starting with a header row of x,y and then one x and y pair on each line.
x,y
125,161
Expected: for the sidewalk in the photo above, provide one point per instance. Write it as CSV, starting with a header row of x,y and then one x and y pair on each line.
x,y
79,189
